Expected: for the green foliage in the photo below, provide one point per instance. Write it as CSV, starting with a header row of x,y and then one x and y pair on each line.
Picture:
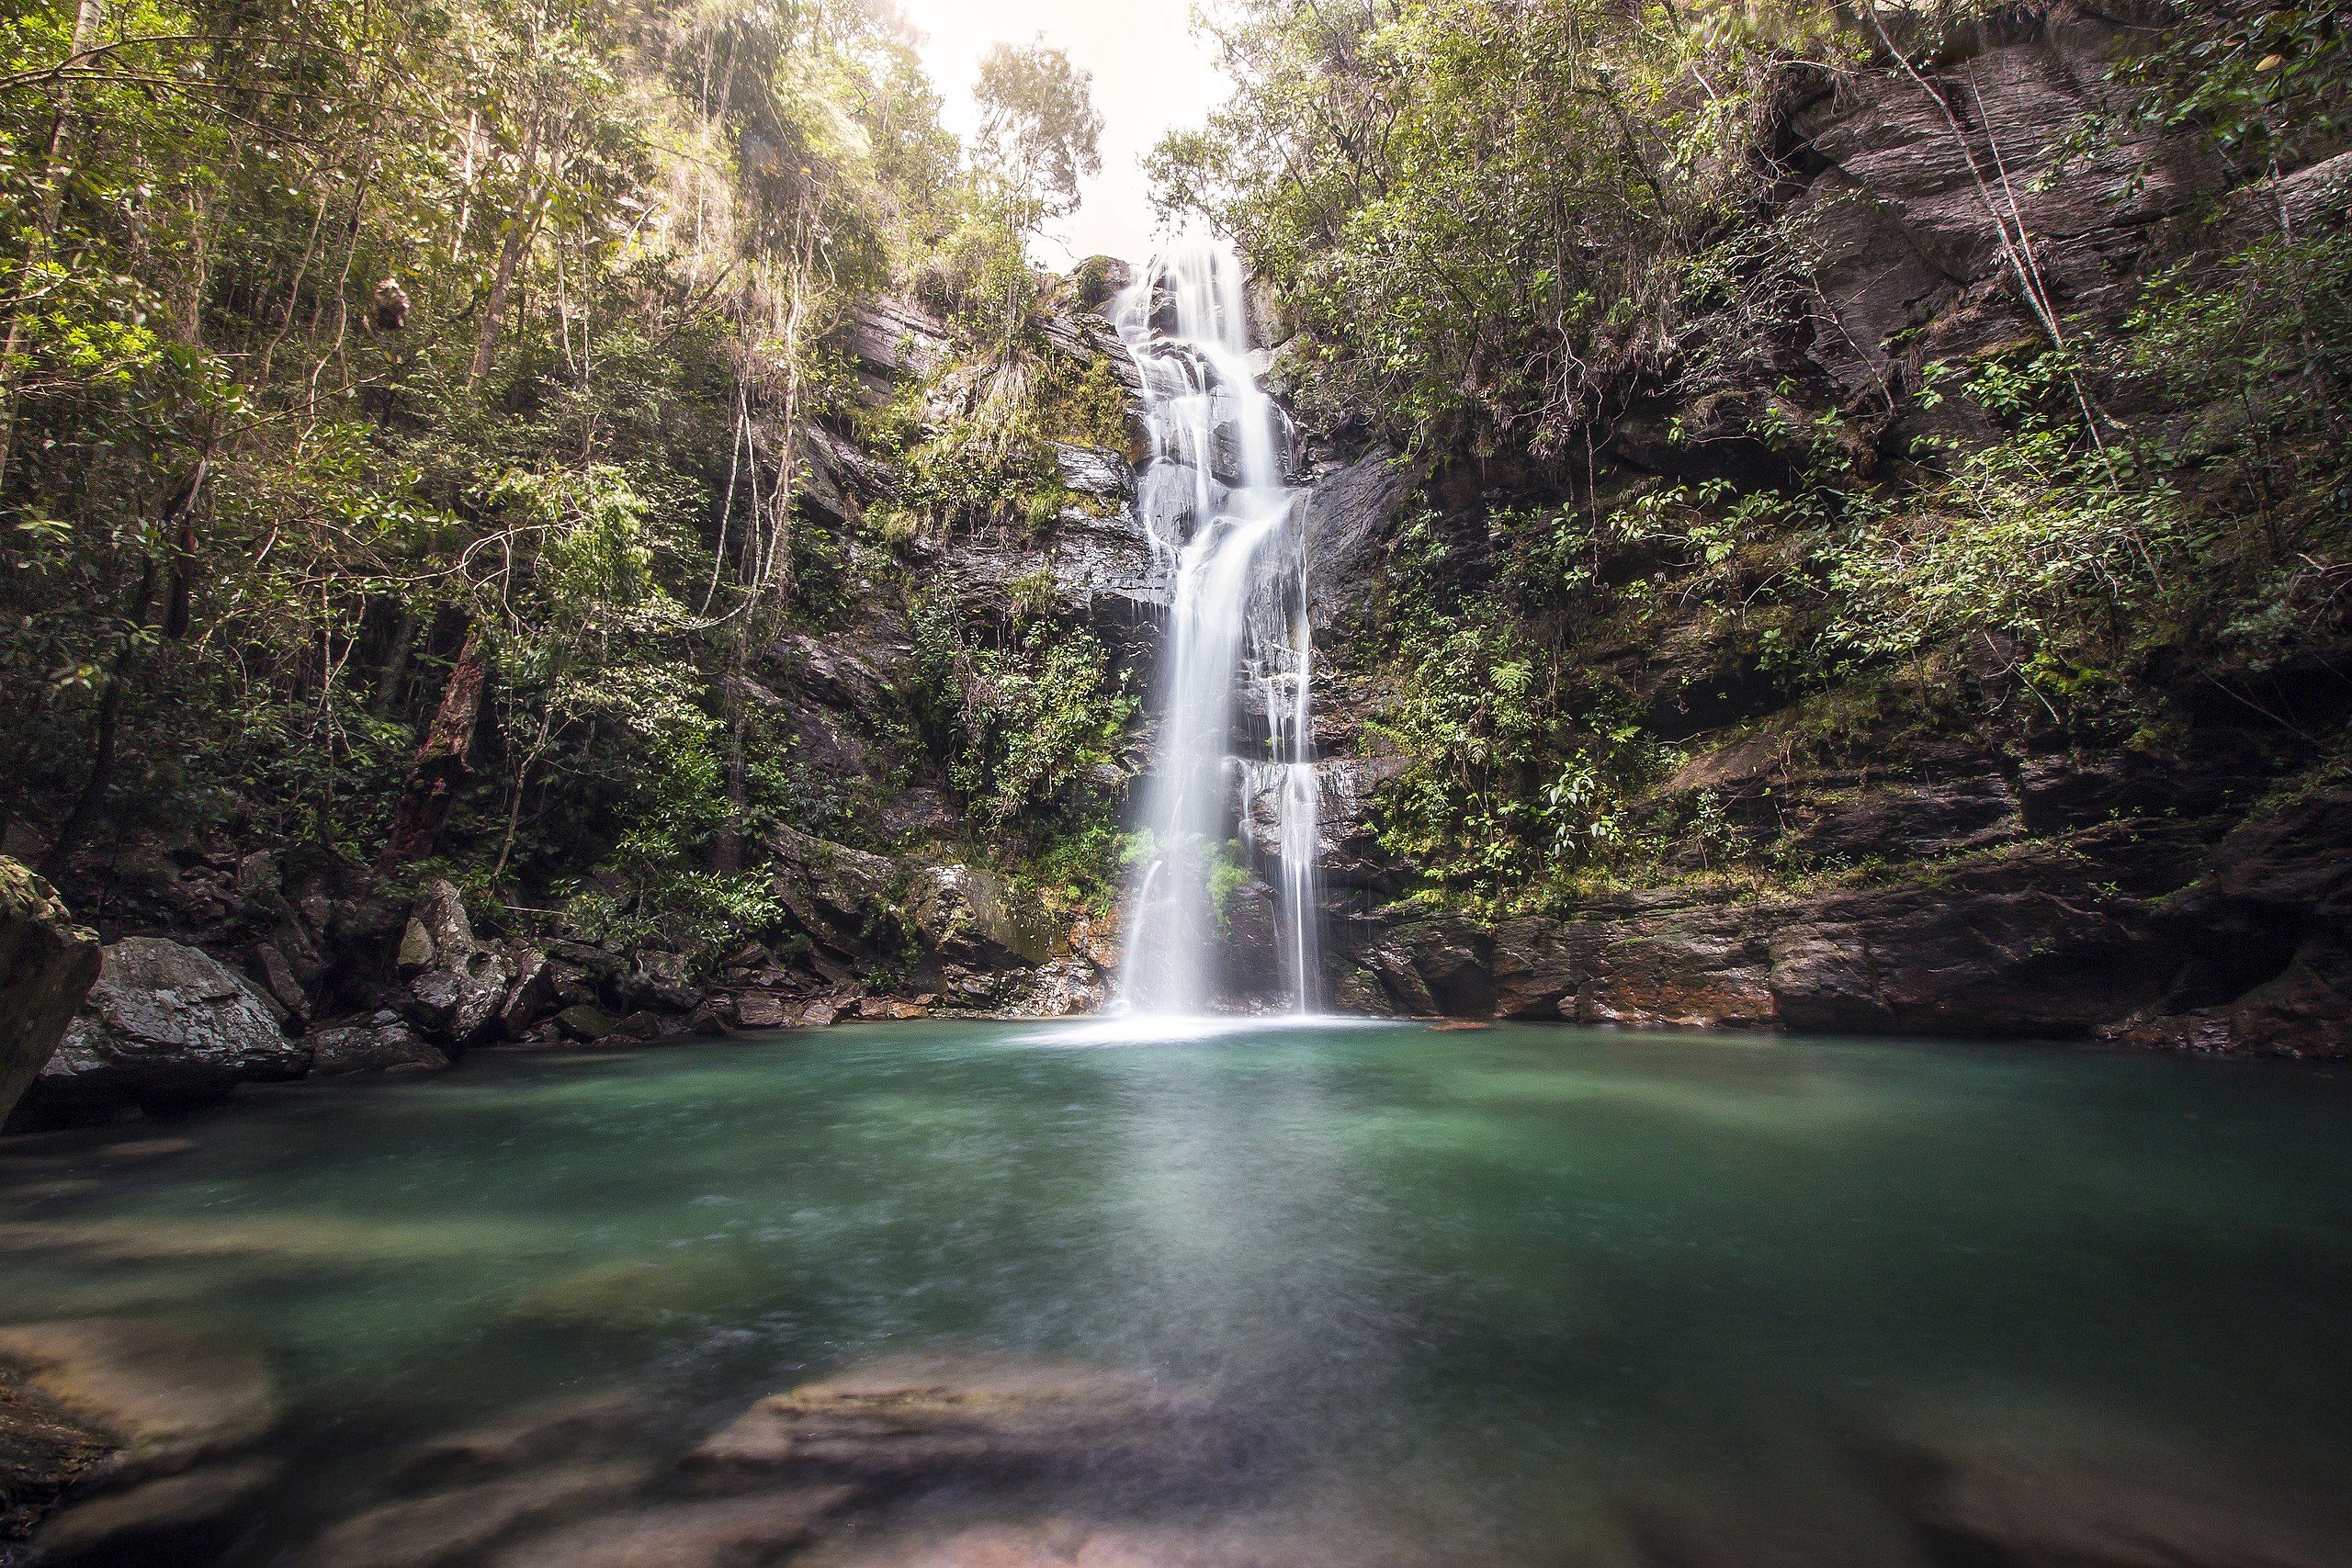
x,y
1023,720
1475,209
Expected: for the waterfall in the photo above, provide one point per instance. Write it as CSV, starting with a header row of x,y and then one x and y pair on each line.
x,y
1233,783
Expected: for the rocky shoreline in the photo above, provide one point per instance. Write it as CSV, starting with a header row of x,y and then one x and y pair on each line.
x,y
128,1442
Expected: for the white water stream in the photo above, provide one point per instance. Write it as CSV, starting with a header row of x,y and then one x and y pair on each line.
x,y
1226,525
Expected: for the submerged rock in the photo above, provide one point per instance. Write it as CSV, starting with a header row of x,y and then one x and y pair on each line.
x,y
171,1396
47,965
721,1533
2020,1487
534,1435
638,1293
171,1520
922,1419
449,1526
165,1028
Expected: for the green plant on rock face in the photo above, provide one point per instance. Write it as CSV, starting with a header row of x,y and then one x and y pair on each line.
x,y
1085,406
1025,720
1230,872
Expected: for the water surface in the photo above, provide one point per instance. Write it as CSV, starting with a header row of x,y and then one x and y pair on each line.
x,y
1496,1292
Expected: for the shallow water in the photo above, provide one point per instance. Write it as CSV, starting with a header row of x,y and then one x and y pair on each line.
x,y
1492,1293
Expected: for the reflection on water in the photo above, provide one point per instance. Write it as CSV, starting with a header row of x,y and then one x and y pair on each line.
x,y
1519,1296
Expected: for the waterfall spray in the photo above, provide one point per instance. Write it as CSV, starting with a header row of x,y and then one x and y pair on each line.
x,y
1226,525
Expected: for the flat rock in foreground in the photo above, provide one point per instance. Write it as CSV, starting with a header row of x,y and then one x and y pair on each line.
x,y
919,1418
173,1396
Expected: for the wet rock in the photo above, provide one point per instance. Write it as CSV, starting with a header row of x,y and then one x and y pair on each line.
x,y
968,915
166,1027
935,1417
457,986
384,1043
531,995
1250,944
1051,990
764,1010
171,1520
43,1450
889,1008
278,978
2016,1485
1533,970
1091,471
586,1023
449,1526
842,898
1678,966
2053,1513
658,980
1347,517
171,1396
1452,956
47,965
730,1532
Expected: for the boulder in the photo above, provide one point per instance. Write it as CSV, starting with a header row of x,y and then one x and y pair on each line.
x,y
938,1417
586,1023
384,1043
165,1028
966,916
171,1397
658,980
47,965
842,898
457,986
532,994
278,977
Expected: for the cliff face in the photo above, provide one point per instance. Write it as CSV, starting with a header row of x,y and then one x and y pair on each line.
x,y
1927,851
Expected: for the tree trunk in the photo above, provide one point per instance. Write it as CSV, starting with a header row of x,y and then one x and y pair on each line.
x,y
177,608
60,127
388,685
87,805
521,226
443,762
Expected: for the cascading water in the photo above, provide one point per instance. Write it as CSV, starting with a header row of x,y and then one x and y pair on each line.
x,y
1234,784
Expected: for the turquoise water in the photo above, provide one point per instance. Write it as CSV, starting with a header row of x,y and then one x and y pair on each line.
x,y
1498,1291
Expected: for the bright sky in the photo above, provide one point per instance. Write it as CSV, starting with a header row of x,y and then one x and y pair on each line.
x,y
1150,76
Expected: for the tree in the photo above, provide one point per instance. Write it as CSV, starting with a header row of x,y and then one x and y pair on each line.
x,y
1039,130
